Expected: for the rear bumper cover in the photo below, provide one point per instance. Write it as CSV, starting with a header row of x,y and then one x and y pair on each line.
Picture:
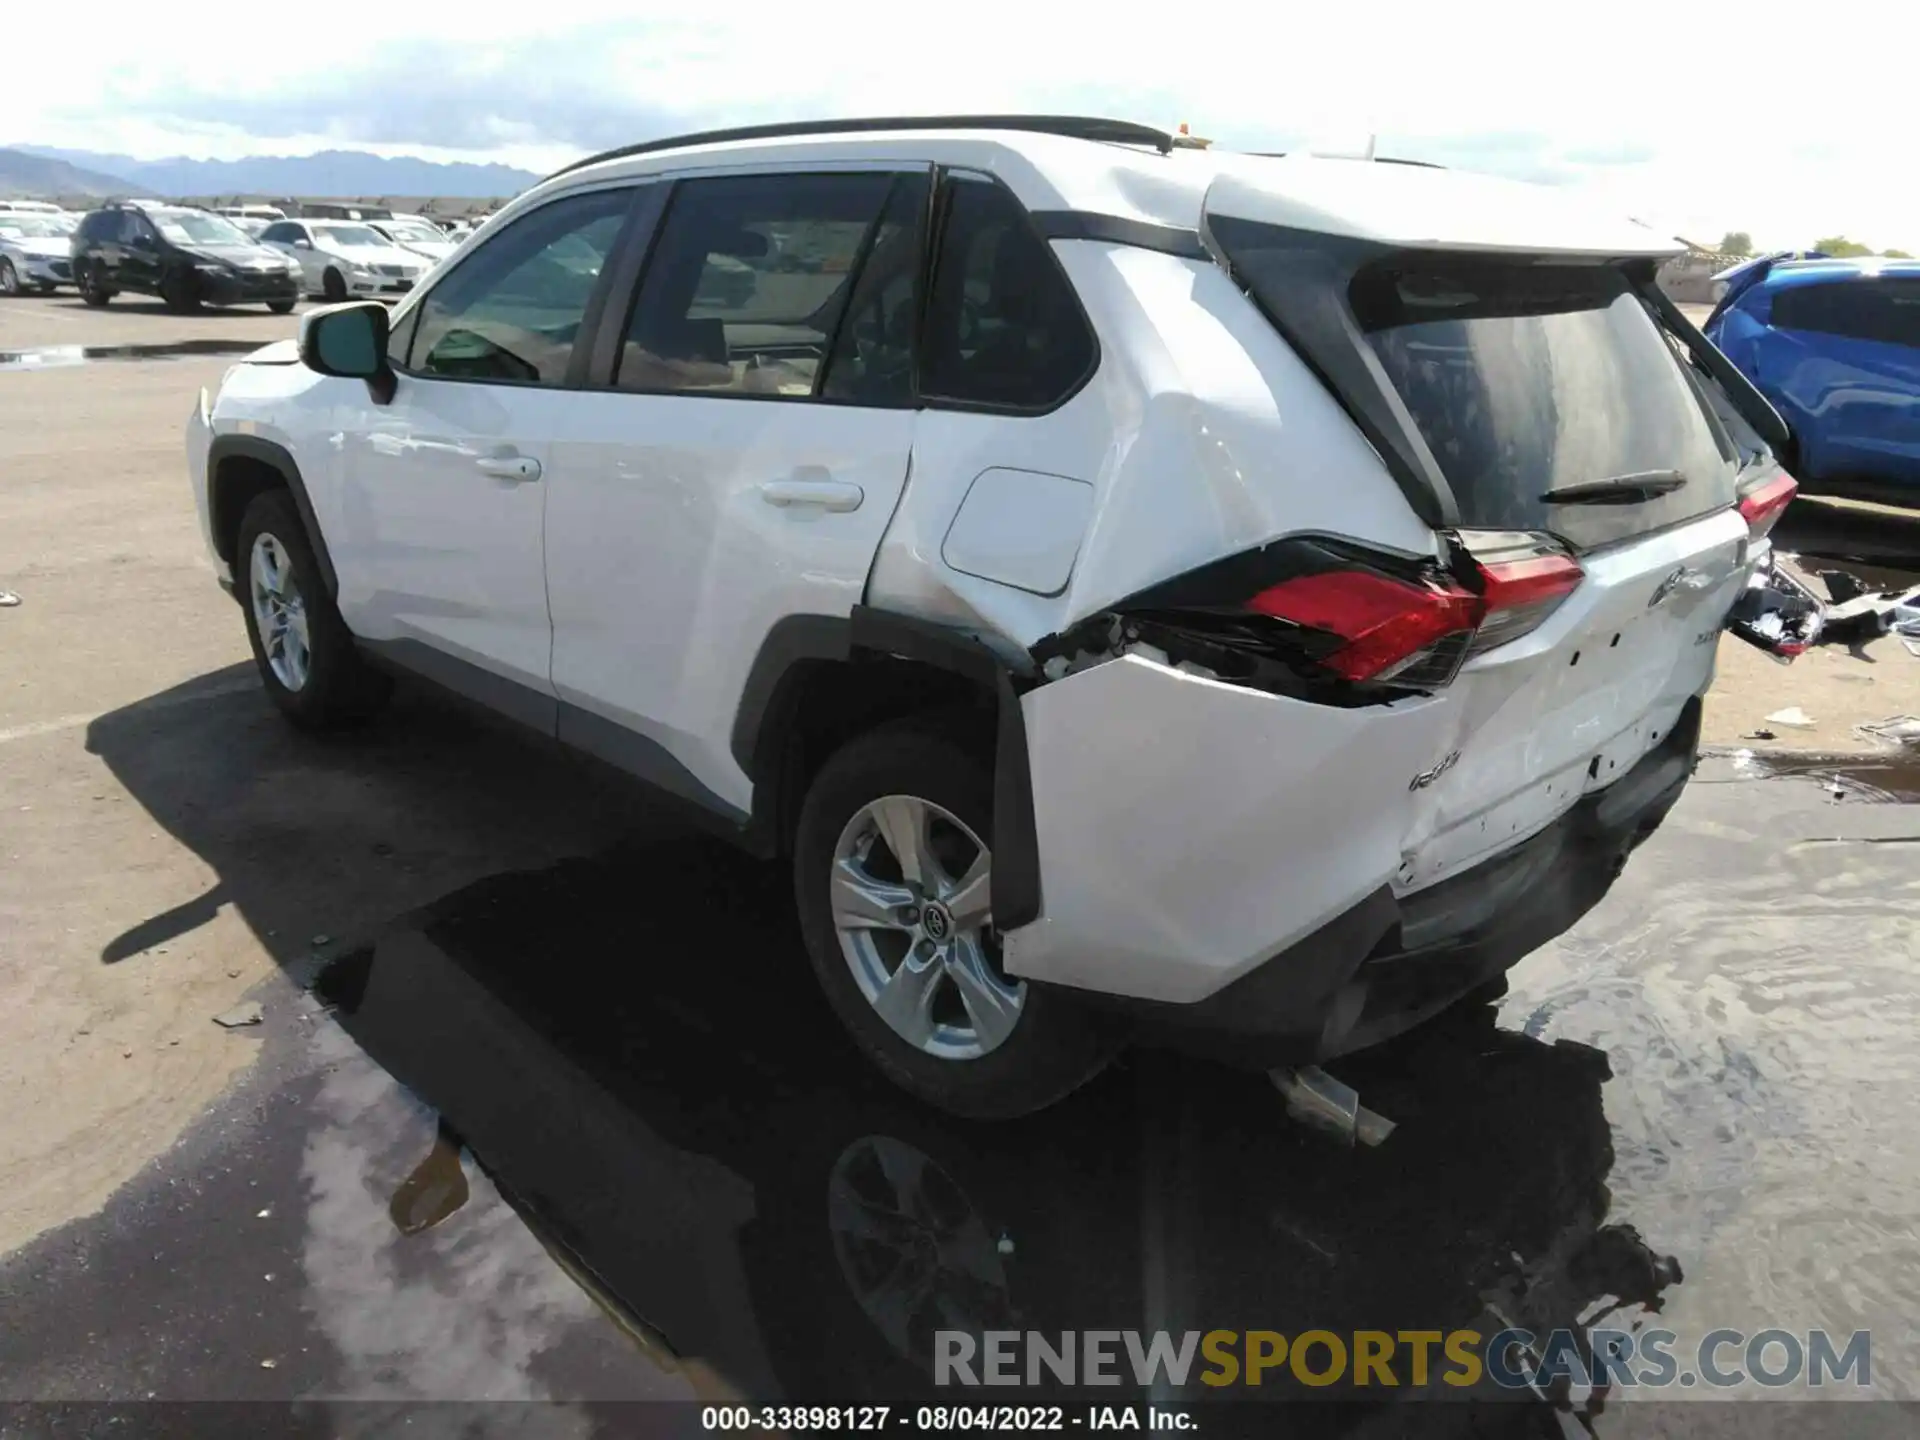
x,y
1387,963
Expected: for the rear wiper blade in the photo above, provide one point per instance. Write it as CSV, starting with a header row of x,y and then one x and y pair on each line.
x,y
1619,490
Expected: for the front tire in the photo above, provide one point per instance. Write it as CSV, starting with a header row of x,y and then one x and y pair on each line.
x,y
281,307
93,290
892,874
179,293
9,278
333,287
304,652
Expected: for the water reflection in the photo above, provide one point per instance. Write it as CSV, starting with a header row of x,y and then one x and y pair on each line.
x,y
633,1049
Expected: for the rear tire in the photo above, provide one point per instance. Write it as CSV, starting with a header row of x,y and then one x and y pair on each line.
x,y
306,657
333,287
957,1049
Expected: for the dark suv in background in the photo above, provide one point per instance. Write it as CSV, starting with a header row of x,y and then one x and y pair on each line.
x,y
187,257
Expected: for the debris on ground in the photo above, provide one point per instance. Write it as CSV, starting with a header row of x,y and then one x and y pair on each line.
x,y
1759,735
1852,614
1793,717
8,599
1778,614
1842,585
1900,729
240,1016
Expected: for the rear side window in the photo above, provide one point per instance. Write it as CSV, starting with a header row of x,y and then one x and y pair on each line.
x,y
1004,329
511,311
1527,380
747,282
1883,310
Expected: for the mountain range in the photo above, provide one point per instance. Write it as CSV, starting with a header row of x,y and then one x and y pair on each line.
x,y
45,170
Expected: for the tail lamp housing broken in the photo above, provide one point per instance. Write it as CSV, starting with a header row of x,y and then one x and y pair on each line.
x,y
1763,505
1342,612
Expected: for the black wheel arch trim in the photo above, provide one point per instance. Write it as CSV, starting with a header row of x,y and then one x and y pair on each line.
x,y
758,735
267,452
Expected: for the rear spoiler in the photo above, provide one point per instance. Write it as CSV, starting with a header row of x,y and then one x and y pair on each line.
x,y
1753,407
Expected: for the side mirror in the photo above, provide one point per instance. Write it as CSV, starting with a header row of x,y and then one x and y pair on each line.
x,y
303,244
350,341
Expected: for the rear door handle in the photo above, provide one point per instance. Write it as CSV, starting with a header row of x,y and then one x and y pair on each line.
x,y
826,494
509,467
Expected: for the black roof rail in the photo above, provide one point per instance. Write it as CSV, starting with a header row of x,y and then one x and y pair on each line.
x,y
1078,127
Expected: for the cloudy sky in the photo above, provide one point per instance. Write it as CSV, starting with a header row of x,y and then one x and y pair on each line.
x,y
1789,121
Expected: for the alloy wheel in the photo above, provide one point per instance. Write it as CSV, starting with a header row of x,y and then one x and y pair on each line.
x,y
911,892
279,612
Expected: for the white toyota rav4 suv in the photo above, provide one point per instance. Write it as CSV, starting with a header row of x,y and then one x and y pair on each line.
x,y
1250,600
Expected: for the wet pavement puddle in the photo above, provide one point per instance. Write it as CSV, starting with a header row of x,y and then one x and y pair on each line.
x,y
54,357
608,1092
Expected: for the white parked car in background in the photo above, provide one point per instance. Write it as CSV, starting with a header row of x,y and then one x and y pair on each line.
x,y
1257,599
418,234
35,252
341,259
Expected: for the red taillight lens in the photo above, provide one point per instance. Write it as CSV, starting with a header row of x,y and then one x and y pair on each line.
x,y
1764,506
1419,633
1520,594
1390,626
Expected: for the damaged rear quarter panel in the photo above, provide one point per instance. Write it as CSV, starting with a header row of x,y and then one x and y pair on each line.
x,y
1190,829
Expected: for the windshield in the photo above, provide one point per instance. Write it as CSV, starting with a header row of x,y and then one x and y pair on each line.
x,y
35,227
410,230
349,236
192,227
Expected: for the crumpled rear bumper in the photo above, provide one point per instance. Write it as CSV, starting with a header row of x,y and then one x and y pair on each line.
x,y
1386,964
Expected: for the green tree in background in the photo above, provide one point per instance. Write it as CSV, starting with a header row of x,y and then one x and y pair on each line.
x,y
1839,246
1898,255
1736,242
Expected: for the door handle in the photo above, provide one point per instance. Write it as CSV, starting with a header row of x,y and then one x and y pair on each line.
x,y
838,495
509,467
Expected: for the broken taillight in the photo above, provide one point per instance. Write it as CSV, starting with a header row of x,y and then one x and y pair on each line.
x,y
1418,632
1312,609
1763,506
1389,627
1522,592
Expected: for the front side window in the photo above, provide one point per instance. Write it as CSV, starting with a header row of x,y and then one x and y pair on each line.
x,y
281,234
1004,328
512,309
747,281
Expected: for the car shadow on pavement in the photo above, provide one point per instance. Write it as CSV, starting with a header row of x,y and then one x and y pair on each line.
x,y
631,1047
614,1019
328,835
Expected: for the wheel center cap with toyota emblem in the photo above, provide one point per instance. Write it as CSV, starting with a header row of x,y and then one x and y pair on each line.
x,y
936,922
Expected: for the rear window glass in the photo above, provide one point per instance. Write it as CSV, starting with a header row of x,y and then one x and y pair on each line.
x,y
1529,379
1887,311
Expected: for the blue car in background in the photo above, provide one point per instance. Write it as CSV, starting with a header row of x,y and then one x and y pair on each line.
x,y
1835,345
